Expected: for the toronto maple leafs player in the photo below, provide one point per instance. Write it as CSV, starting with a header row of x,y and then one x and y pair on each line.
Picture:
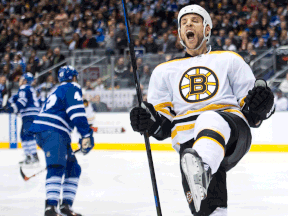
x,y
62,111
25,102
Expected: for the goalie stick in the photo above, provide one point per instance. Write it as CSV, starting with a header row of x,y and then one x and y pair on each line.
x,y
139,96
27,178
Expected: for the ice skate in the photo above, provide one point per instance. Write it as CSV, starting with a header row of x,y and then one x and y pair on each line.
x,y
197,176
35,160
26,161
66,210
51,211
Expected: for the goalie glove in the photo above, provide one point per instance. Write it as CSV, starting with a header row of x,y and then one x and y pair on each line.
x,y
259,104
87,143
145,118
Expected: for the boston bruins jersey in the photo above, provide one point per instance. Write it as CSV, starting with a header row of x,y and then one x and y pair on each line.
x,y
182,89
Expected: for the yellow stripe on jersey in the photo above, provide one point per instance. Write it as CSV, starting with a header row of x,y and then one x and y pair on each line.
x,y
181,59
242,102
181,128
214,140
220,52
161,108
234,110
207,108
163,105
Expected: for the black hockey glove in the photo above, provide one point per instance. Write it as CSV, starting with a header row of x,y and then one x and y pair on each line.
x,y
145,118
259,103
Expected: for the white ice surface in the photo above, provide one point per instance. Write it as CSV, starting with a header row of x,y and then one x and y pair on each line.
x,y
118,183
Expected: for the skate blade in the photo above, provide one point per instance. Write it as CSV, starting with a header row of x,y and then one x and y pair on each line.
x,y
190,172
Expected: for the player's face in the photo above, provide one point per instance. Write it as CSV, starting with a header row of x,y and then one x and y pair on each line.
x,y
74,79
191,30
22,81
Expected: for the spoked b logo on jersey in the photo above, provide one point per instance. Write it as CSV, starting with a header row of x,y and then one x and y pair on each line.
x,y
198,84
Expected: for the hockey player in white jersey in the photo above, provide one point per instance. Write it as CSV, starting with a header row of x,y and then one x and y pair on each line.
x,y
205,102
25,102
62,111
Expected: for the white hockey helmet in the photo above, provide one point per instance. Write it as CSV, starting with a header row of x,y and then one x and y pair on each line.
x,y
196,9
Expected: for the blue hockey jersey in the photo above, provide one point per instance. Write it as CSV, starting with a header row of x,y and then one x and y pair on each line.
x,y
63,110
25,102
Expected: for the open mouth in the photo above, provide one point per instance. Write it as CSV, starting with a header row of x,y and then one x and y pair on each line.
x,y
190,35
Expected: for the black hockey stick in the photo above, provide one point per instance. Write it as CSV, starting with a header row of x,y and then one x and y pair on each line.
x,y
27,178
139,96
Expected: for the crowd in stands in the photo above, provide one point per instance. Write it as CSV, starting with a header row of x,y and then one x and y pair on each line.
x,y
249,26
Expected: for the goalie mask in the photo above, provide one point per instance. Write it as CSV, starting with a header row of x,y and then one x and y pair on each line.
x,y
196,9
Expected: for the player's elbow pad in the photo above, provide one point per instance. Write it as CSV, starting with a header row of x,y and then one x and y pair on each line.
x,y
164,129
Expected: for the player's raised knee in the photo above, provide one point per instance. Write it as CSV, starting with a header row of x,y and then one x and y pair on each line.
x,y
212,122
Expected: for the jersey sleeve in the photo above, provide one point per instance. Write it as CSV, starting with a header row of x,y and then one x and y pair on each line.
x,y
159,95
241,79
76,111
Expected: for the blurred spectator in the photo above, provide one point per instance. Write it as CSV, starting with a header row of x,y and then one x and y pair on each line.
x,y
97,105
6,61
250,49
89,41
27,31
3,89
164,28
6,70
233,39
229,46
100,37
16,44
57,58
145,78
109,43
120,70
261,45
121,38
39,44
47,86
88,86
16,74
3,40
139,64
151,46
281,102
257,38
99,84
74,43
44,63
284,85
18,60
283,37
275,42
89,112
166,45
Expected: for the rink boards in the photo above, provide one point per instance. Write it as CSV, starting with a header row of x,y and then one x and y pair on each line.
x,y
112,131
